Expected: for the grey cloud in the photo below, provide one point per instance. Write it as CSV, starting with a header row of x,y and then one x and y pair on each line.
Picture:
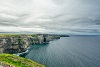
x,y
71,16
87,30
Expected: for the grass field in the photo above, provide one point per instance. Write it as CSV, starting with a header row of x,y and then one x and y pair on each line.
x,y
17,61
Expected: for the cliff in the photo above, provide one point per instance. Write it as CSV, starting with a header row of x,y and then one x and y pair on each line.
x,y
19,43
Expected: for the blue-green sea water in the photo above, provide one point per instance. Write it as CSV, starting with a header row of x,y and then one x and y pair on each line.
x,y
74,51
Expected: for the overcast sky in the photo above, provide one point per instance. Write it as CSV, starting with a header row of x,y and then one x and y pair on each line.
x,y
50,16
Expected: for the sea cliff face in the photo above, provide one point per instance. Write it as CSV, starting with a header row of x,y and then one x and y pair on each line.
x,y
19,43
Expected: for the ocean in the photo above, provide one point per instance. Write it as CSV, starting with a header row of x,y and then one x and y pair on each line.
x,y
74,51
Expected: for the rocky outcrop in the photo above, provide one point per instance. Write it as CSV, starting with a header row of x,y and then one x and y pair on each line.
x,y
19,43
13,44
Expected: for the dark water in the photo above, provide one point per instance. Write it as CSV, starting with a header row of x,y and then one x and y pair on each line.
x,y
74,51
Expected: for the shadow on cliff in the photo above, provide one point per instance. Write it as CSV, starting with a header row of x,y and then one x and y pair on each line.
x,y
34,48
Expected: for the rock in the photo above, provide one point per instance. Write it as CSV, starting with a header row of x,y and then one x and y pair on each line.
x,y
19,43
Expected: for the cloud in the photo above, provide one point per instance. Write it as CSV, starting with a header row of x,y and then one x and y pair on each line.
x,y
50,16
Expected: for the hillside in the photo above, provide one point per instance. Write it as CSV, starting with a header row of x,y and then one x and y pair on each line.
x,y
16,61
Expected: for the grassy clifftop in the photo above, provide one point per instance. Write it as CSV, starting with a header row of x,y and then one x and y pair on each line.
x,y
18,61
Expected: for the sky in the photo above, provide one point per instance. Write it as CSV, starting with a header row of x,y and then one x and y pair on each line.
x,y
50,16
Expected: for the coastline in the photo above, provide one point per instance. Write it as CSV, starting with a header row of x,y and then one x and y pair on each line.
x,y
20,45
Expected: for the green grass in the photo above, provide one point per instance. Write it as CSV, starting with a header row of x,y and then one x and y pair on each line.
x,y
17,35
5,35
18,61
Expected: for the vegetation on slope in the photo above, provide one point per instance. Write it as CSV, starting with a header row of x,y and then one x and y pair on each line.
x,y
17,61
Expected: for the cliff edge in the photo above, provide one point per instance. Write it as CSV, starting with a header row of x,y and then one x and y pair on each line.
x,y
19,42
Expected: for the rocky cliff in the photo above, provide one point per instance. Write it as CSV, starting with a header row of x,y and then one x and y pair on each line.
x,y
19,43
